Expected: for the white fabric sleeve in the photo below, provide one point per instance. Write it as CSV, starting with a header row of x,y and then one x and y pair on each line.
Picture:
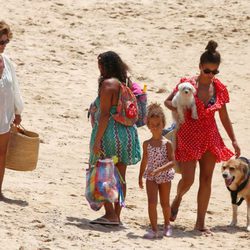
x,y
19,105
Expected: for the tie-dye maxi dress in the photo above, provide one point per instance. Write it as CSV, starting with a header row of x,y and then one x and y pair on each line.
x,y
118,140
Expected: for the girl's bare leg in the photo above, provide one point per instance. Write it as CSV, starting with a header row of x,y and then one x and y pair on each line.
x,y
152,193
164,191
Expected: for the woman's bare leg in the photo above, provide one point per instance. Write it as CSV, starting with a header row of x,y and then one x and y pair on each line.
x,y
112,212
186,181
207,164
4,140
122,169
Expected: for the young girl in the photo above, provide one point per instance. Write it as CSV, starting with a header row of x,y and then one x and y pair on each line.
x,y
158,157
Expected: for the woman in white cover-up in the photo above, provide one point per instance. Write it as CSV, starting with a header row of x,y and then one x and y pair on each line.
x,y
11,103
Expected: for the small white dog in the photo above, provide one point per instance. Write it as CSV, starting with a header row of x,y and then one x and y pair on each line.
x,y
184,99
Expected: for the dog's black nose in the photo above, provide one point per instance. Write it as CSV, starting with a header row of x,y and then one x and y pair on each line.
x,y
224,176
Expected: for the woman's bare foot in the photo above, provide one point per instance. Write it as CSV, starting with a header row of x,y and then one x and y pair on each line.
x,y
204,231
2,197
174,209
111,218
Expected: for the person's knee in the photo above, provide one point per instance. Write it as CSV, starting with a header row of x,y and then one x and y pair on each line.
x,y
165,205
152,203
187,182
206,179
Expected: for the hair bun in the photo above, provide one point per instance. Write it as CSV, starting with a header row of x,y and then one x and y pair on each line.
x,y
211,46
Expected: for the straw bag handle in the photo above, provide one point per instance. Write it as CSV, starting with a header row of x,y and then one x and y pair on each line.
x,y
15,128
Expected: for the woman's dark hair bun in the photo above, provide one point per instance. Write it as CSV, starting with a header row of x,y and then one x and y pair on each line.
x,y
211,46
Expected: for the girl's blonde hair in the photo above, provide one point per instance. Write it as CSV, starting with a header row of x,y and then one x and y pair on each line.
x,y
155,110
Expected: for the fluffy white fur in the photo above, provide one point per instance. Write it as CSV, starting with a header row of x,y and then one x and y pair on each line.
x,y
184,99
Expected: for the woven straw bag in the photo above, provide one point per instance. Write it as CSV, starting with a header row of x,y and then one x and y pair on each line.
x,y
23,148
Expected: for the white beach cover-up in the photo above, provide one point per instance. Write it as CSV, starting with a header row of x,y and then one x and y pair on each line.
x,y
11,102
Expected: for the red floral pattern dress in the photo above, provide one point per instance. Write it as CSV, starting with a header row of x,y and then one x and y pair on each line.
x,y
195,137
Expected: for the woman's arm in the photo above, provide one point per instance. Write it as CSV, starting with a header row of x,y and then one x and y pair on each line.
x,y
17,95
168,102
144,163
226,122
18,101
106,94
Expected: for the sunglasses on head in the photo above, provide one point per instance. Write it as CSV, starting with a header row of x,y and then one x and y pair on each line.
x,y
208,71
3,42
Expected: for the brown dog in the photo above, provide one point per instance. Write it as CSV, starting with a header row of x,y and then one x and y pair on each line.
x,y
236,173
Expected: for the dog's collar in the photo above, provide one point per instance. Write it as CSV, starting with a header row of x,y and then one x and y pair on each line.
x,y
241,186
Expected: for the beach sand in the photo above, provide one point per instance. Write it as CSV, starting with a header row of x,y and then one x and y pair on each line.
x,y
54,48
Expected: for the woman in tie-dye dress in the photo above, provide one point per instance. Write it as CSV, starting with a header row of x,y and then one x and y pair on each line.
x,y
108,136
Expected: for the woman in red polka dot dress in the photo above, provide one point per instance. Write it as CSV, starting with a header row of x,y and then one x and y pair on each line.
x,y
199,140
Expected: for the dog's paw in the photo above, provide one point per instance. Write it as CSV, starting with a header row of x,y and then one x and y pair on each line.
x,y
248,228
195,116
233,224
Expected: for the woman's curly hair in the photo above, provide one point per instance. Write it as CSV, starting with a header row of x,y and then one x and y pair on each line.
x,y
155,110
5,29
113,66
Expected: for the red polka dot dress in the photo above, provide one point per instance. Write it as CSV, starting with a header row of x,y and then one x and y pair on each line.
x,y
195,137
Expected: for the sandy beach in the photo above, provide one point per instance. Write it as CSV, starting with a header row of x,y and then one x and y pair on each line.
x,y
55,46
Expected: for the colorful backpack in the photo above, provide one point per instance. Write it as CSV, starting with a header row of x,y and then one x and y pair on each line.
x,y
141,98
127,109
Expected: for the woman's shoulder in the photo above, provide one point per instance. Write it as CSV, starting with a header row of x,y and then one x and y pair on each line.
x,y
222,92
110,86
220,87
111,80
110,83
7,60
219,83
